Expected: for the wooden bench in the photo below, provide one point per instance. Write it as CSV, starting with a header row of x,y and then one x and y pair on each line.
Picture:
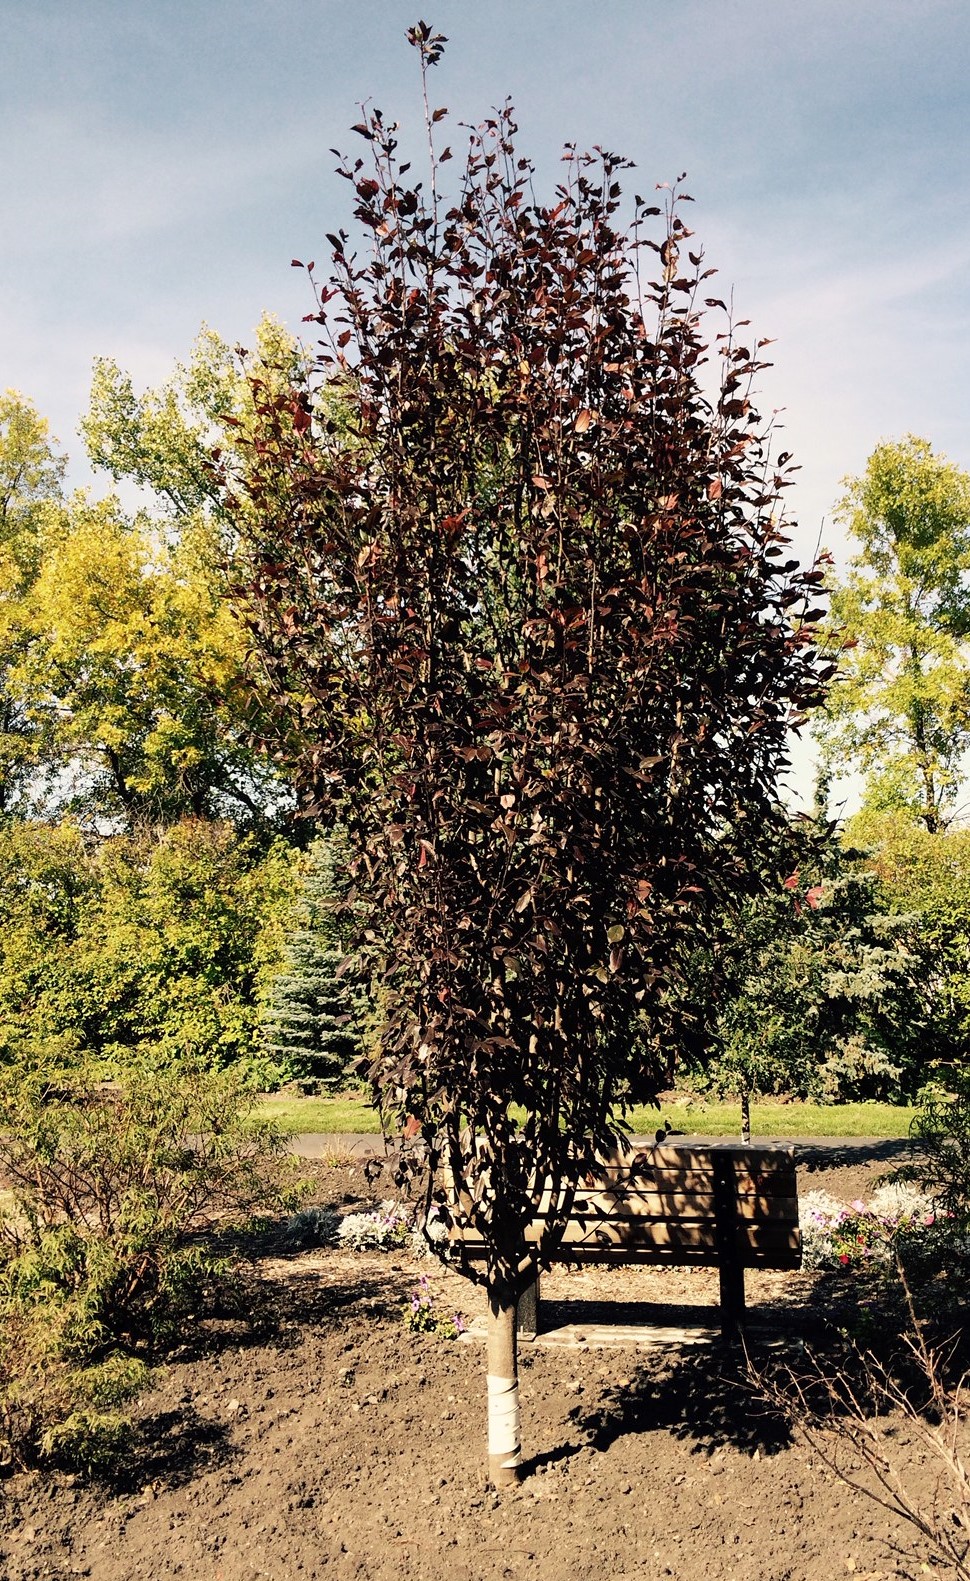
x,y
678,1204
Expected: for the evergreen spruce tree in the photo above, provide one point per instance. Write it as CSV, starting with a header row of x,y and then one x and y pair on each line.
x,y
312,1022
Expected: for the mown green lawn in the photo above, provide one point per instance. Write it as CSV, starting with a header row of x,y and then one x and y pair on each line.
x,y
781,1119
352,1113
349,1113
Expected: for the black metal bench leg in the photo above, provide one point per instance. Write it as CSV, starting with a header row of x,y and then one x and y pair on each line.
x,y
732,1298
730,1266
527,1318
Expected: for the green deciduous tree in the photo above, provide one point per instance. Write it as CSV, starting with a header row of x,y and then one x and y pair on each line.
x,y
927,876
163,439
132,674
827,1000
816,988
122,688
158,943
172,726
46,884
900,711
31,474
527,628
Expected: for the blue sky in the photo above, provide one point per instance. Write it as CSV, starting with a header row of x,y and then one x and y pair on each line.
x,y
163,162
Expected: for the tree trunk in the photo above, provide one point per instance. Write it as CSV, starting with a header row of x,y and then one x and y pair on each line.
x,y
504,1448
746,1116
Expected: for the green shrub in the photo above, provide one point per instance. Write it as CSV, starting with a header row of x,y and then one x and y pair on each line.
x,y
940,1134
157,942
109,1239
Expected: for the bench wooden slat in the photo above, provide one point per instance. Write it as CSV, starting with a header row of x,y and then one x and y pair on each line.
x,y
685,1171
642,1165
678,1194
651,1234
678,1232
674,1155
780,1260
630,1203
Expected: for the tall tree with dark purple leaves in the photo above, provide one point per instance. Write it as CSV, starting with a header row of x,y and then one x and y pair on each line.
x,y
526,624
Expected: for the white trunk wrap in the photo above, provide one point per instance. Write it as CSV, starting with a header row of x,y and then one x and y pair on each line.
x,y
503,1419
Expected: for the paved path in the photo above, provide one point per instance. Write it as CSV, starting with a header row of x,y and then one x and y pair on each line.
x,y
829,1150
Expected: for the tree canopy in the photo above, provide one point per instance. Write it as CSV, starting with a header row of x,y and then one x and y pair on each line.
x,y
821,992
160,945
123,692
900,710
927,877
31,474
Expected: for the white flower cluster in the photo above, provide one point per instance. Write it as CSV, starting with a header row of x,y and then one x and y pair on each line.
x,y
817,1212
899,1200
390,1227
435,1230
393,1227
386,1228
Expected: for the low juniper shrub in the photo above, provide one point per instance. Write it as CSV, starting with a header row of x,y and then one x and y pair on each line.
x,y
312,1226
112,1238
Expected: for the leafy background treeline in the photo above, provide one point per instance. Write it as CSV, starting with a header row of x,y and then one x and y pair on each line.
x,y
163,894
160,893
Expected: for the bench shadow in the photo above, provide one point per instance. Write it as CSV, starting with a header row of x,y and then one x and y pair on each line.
x,y
666,1321
702,1395
579,1315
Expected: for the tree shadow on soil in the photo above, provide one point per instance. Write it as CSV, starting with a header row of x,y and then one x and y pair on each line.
x,y
811,1156
273,1310
305,1300
172,1447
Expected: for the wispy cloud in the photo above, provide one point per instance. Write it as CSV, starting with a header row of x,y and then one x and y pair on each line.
x,y
89,185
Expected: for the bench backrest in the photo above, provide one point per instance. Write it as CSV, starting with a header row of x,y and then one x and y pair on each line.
x,y
682,1203
687,1203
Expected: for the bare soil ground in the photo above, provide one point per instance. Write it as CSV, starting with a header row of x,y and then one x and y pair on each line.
x,y
337,1445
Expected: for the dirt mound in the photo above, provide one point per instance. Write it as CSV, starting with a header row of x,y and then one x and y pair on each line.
x,y
343,1446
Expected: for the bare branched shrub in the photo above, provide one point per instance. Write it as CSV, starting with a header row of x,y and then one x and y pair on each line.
x,y
850,1417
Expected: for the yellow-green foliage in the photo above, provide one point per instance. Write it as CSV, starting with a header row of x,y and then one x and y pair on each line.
x,y
927,875
123,689
30,508
106,1244
130,670
901,617
157,941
